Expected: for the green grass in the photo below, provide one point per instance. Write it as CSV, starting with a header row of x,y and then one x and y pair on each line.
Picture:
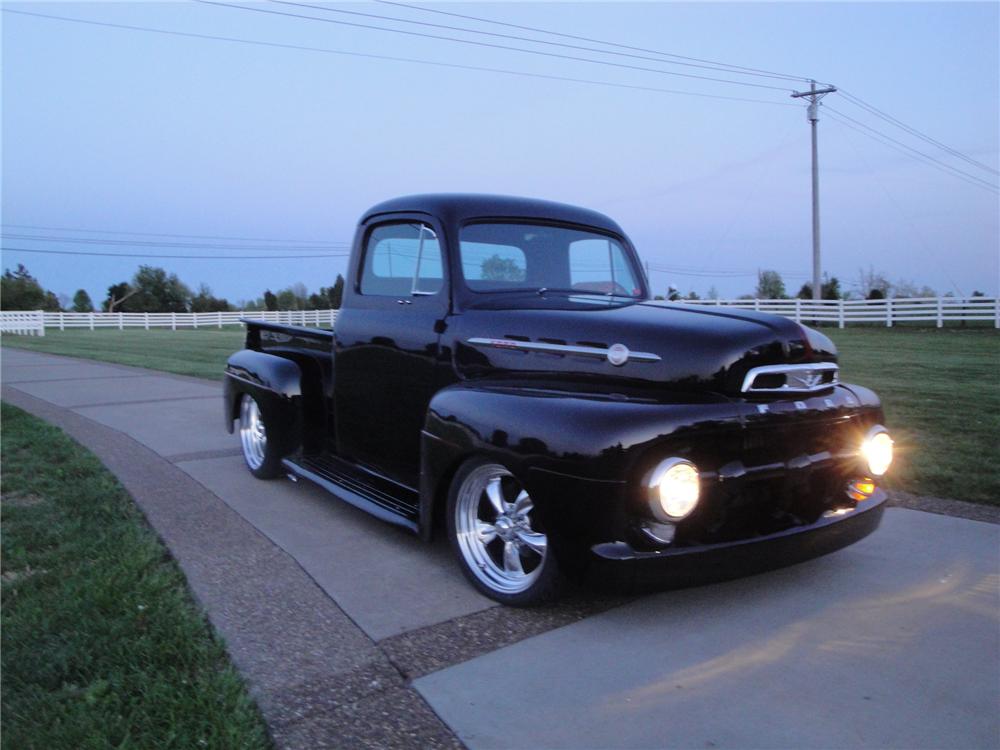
x,y
102,645
941,394
201,353
941,389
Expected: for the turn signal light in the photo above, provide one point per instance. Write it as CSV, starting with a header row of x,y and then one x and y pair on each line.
x,y
860,489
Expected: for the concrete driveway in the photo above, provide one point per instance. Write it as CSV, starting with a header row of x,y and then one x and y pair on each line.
x,y
353,633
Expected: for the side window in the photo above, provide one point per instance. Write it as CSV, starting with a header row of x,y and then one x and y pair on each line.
x,y
402,260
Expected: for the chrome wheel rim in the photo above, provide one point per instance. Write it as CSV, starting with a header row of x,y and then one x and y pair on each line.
x,y
494,532
252,433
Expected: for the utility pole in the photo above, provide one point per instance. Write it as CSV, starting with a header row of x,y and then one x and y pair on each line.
x,y
812,113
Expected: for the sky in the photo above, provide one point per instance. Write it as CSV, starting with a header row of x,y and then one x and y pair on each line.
x,y
128,134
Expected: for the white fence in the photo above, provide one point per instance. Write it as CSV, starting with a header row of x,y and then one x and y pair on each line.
x,y
23,323
888,312
18,322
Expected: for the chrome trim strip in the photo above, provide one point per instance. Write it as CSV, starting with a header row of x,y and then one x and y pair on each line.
x,y
786,369
535,346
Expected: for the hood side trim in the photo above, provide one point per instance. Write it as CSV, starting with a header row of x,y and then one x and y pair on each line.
x,y
586,351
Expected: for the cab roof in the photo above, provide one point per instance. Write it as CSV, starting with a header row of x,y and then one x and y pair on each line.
x,y
456,208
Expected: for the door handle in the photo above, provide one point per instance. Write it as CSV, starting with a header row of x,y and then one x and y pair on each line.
x,y
404,302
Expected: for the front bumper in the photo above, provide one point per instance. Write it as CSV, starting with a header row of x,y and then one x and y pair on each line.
x,y
618,565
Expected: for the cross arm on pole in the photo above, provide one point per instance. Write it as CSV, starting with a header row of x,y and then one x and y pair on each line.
x,y
816,92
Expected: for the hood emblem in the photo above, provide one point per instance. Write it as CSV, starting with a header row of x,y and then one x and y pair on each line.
x,y
616,354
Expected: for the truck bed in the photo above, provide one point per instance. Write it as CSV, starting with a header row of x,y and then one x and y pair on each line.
x,y
263,335
312,350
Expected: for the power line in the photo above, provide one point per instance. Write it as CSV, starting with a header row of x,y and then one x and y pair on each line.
x,y
184,257
913,131
730,270
657,268
723,276
888,144
168,234
704,269
148,243
516,37
762,177
568,79
954,170
728,274
919,237
851,97
877,135
390,58
489,45
722,66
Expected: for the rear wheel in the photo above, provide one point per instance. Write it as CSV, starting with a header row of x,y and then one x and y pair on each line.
x,y
260,454
495,534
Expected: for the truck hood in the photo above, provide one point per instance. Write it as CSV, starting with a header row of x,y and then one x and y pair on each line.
x,y
675,347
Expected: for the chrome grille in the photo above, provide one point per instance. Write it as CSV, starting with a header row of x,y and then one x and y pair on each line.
x,y
807,378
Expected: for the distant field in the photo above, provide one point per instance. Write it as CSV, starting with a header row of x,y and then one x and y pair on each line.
x,y
941,389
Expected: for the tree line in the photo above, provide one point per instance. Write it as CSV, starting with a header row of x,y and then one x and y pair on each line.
x,y
869,284
153,289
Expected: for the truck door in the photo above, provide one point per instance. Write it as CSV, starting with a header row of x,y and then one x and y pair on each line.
x,y
387,359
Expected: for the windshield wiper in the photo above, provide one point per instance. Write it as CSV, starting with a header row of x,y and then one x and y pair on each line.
x,y
564,290
542,291
592,292
533,290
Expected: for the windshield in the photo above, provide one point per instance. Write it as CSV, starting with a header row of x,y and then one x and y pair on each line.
x,y
504,257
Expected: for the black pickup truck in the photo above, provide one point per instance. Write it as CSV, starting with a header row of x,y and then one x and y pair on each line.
x,y
498,370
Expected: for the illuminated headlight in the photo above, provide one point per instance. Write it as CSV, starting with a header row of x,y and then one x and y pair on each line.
x,y
877,450
673,487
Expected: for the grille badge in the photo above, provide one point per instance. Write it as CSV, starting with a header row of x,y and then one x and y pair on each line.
x,y
804,379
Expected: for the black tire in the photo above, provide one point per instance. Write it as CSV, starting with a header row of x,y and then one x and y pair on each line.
x,y
262,456
496,538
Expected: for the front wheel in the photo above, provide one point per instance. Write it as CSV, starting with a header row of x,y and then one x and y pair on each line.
x,y
261,455
495,535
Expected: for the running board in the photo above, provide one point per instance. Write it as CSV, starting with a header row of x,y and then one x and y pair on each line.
x,y
336,479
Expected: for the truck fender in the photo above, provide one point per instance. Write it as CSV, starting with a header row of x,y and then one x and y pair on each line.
x,y
529,434
574,452
274,382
